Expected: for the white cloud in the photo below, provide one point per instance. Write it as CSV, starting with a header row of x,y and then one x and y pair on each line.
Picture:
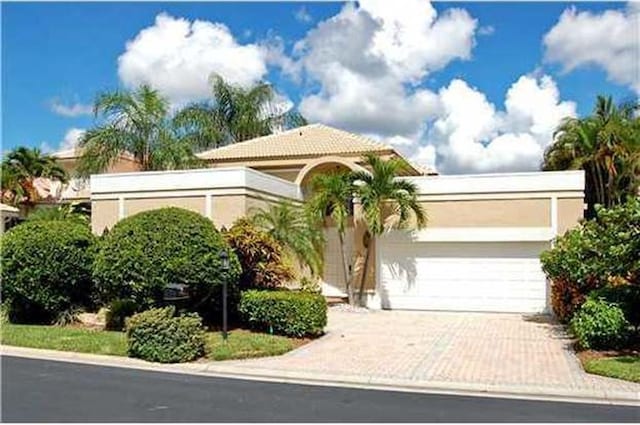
x,y
486,30
302,15
609,40
69,141
367,61
177,57
470,135
73,110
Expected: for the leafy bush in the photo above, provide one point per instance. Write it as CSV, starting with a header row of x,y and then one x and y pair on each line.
x,y
157,335
260,255
46,269
288,313
600,252
145,252
119,311
599,325
627,297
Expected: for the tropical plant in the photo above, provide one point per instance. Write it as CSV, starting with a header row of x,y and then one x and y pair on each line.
x,y
387,203
606,145
600,252
332,195
295,230
235,114
600,325
137,123
260,256
20,168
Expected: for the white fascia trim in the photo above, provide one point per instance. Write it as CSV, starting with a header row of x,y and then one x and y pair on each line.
x,y
500,196
191,180
546,181
471,234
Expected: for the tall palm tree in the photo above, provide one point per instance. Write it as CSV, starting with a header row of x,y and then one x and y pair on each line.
x,y
235,114
21,167
295,230
606,145
387,203
332,195
137,122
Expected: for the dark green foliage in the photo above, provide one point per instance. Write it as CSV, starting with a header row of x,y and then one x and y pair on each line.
x,y
46,269
157,335
600,325
260,255
119,311
145,252
604,251
627,297
288,313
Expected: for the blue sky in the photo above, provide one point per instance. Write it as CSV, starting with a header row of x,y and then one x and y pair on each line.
x,y
57,56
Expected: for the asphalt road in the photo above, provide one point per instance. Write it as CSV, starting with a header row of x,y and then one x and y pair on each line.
x,y
47,391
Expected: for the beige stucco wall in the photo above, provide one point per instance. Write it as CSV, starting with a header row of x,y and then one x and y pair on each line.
x,y
134,206
570,212
227,209
104,214
489,213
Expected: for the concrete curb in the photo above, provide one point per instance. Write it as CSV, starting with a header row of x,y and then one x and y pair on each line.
x,y
233,371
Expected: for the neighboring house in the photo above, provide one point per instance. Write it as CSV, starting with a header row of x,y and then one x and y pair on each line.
x,y
479,252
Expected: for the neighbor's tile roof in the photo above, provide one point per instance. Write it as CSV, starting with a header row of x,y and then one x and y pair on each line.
x,y
309,140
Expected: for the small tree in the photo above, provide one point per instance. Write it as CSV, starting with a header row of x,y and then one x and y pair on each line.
x,y
380,192
332,194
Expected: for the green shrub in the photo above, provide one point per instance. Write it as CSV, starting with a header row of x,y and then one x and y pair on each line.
x,y
600,252
157,335
627,297
288,313
46,269
260,255
119,311
599,325
145,252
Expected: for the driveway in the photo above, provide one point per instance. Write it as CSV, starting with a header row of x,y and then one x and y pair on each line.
x,y
461,350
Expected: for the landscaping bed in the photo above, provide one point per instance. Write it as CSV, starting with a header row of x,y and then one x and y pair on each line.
x,y
623,364
241,344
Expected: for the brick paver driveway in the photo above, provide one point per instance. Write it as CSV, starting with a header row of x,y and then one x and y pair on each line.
x,y
473,349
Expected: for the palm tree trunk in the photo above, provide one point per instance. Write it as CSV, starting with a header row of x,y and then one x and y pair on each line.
x,y
345,271
364,273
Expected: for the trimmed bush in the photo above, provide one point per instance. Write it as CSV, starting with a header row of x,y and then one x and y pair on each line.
x,y
261,257
288,313
46,269
604,251
147,251
627,297
119,311
599,325
157,335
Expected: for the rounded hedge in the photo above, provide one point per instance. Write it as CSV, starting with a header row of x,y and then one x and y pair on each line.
x,y
157,335
599,325
290,313
46,269
144,253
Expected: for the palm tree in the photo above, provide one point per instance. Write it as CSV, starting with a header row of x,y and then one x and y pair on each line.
x,y
234,115
295,230
387,203
332,196
137,122
606,145
19,170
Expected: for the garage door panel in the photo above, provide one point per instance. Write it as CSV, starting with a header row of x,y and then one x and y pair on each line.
x,y
462,276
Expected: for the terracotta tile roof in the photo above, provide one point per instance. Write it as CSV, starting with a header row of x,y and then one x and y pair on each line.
x,y
74,153
309,140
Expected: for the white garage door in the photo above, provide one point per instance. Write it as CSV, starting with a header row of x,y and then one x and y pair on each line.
x,y
475,276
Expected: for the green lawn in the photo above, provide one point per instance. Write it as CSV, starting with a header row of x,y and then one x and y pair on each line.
x,y
624,367
241,344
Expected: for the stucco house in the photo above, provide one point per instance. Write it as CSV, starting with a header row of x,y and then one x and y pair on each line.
x,y
479,251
